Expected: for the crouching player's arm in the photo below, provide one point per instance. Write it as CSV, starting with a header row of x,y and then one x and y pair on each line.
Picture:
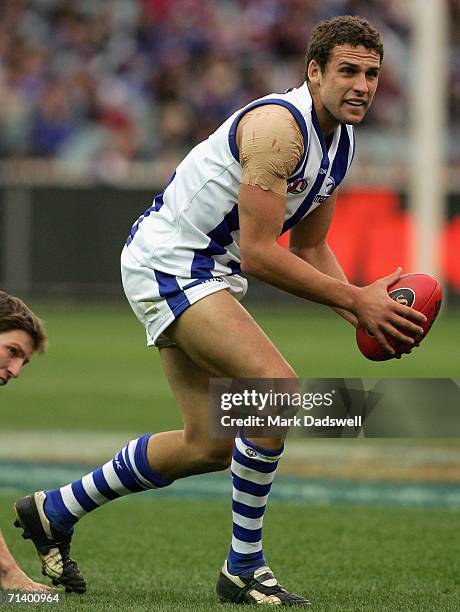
x,y
261,216
11,575
308,240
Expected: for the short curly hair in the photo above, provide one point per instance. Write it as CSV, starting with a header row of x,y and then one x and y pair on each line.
x,y
343,30
14,314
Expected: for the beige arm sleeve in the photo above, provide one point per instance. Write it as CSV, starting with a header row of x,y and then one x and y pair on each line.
x,y
271,145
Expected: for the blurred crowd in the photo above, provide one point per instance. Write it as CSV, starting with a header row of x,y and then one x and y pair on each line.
x,y
114,80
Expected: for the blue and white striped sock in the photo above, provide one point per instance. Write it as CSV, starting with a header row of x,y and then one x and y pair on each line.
x,y
128,472
253,470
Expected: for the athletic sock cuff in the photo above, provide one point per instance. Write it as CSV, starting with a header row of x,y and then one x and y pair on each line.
x,y
143,465
261,454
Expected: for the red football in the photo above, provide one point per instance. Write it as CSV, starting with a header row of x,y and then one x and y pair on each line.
x,y
419,291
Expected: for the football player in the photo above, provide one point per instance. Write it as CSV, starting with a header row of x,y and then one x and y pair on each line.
x,y
274,165
21,335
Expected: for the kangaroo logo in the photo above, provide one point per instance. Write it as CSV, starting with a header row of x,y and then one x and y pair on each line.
x,y
330,185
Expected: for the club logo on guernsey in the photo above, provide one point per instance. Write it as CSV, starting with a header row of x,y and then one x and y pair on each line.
x,y
297,186
330,186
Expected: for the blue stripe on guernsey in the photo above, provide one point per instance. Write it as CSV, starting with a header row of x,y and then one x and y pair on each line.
x,y
338,171
294,110
246,486
155,207
248,511
318,130
219,237
203,261
121,476
354,146
304,207
222,234
102,485
247,535
82,497
340,163
169,289
157,204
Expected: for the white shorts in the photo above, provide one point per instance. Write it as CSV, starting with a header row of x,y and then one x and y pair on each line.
x,y
157,299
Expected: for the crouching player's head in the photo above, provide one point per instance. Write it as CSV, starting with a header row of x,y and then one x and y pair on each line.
x,y
21,335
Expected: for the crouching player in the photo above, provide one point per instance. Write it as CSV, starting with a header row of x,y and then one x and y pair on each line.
x,y
21,335
273,166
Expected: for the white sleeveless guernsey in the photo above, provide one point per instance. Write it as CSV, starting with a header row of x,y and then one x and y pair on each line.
x,y
192,228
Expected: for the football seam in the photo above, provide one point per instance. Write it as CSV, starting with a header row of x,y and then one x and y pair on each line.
x,y
431,294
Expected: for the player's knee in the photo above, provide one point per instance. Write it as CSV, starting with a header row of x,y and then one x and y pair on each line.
x,y
216,457
206,454
282,380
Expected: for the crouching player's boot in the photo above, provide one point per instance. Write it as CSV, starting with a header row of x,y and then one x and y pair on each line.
x,y
259,587
53,546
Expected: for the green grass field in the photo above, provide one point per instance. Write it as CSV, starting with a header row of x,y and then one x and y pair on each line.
x,y
152,553
99,375
160,551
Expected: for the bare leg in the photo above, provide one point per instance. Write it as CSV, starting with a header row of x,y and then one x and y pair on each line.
x,y
215,337
175,454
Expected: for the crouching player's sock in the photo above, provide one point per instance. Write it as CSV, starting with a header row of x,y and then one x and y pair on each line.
x,y
253,469
128,472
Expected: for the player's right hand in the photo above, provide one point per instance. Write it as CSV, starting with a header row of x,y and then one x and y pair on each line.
x,y
382,316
